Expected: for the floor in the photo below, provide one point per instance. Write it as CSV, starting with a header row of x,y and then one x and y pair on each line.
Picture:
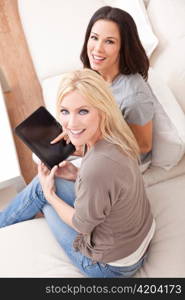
x,y
16,64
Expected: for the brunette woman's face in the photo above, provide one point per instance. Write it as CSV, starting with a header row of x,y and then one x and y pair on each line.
x,y
80,120
103,48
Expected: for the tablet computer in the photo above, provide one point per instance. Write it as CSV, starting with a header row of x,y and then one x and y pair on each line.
x,y
37,131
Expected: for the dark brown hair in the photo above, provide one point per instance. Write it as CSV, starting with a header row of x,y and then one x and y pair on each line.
x,y
133,58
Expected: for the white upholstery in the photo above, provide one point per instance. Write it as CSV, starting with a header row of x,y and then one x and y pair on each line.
x,y
166,253
32,251
55,32
169,125
168,23
155,175
28,249
49,89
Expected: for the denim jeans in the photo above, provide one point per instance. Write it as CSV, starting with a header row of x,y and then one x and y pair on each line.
x,y
31,200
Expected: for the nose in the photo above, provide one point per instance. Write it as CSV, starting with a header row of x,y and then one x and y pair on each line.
x,y
99,46
72,121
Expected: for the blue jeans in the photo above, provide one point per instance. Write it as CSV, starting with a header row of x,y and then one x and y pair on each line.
x,y
31,200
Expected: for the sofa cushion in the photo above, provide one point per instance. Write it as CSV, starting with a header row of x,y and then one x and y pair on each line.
x,y
167,20
49,89
154,175
55,32
166,253
28,249
173,73
169,125
168,58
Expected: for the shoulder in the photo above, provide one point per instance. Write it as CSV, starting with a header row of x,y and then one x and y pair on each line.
x,y
107,163
131,85
138,100
132,90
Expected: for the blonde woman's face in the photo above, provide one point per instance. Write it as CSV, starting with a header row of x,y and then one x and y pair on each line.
x,y
103,47
80,120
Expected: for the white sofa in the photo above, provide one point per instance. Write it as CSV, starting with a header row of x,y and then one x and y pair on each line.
x,y
54,30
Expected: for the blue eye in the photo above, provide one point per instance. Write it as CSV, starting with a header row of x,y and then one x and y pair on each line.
x,y
83,112
64,111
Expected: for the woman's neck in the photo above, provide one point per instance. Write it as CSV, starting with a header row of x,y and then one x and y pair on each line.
x,y
110,77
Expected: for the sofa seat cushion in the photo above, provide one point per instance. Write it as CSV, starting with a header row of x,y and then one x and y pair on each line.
x,y
28,249
166,253
154,175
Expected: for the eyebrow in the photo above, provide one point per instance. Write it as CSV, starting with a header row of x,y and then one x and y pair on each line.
x,y
83,106
108,37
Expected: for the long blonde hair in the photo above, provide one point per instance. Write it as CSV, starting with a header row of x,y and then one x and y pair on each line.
x,y
97,93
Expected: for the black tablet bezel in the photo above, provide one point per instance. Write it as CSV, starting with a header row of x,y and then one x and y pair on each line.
x,y
49,154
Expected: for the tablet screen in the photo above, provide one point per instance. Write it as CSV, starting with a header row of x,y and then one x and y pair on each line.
x,y
37,131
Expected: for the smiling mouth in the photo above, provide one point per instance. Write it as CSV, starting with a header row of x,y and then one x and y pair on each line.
x,y
76,132
98,58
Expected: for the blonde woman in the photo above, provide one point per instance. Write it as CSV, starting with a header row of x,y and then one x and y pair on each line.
x,y
99,214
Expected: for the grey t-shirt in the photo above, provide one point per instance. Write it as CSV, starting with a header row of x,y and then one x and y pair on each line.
x,y
112,210
135,99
